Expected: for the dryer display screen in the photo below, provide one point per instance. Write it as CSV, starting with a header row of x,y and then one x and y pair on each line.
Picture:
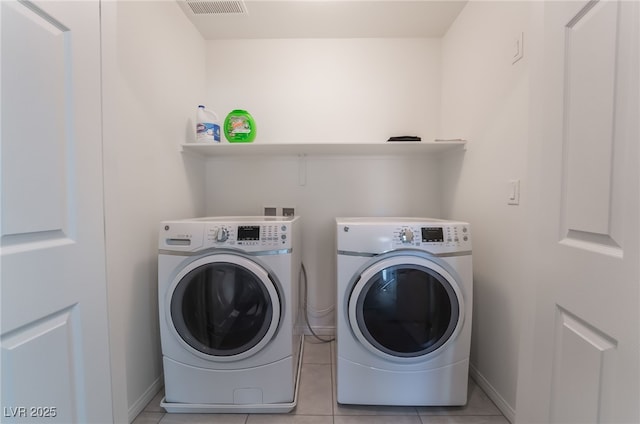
x,y
249,232
432,235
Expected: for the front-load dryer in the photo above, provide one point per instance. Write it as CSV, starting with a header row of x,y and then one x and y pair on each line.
x,y
227,292
404,304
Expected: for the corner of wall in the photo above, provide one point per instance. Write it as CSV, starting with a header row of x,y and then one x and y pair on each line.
x,y
485,99
147,114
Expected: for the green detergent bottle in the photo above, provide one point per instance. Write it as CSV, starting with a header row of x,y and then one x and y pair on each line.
x,y
239,127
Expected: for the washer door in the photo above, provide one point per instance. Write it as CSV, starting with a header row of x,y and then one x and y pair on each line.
x,y
224,307
405,308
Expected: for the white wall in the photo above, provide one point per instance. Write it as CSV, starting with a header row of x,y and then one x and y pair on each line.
x,y
320,90
326,90
486,99
153,66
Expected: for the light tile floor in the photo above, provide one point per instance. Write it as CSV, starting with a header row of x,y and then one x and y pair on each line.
x,y
317,405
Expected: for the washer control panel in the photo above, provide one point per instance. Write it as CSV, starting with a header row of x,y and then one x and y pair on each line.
x,y
265,235
248,236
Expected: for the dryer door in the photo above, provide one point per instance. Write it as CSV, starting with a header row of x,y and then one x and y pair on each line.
x,y
405,307
224,307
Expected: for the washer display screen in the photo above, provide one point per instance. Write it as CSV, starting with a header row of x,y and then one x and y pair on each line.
x,y
432,235
249,232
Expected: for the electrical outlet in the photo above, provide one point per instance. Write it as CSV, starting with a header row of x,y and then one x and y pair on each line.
x,y
270,211
288,212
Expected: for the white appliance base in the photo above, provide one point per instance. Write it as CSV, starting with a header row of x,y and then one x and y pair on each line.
x,y
363,385
221,408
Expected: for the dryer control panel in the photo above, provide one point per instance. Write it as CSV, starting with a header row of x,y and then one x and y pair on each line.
x,y
380,235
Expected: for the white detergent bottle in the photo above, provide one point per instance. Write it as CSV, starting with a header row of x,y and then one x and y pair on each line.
x,y
207,126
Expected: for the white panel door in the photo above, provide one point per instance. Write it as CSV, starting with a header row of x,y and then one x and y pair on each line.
x,y
54,345
583,354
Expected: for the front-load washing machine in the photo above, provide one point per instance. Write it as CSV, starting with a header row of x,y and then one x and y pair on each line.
x,y
404,303
227,291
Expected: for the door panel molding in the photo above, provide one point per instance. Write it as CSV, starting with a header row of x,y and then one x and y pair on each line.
x,y
50,347
590,73
583,358
37,182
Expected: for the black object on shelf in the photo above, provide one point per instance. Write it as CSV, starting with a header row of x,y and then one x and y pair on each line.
x,y
405,138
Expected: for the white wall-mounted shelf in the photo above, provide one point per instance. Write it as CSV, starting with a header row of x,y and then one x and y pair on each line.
x,y
297,149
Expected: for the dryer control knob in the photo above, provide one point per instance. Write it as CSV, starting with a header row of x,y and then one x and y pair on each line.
x,y
406,235
222,235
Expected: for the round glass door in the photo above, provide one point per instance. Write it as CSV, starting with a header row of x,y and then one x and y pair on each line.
x,y
225,309
405,307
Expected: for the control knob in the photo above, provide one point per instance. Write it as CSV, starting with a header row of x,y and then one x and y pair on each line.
x,y
222,235
406,235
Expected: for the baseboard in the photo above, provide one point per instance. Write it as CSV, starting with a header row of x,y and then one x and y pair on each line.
x,y
493,394
146,397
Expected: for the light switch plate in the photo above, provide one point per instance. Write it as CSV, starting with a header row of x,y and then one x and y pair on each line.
x,y
518,48
513,192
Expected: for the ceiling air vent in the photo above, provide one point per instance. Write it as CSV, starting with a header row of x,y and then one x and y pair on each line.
x,y
222,7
